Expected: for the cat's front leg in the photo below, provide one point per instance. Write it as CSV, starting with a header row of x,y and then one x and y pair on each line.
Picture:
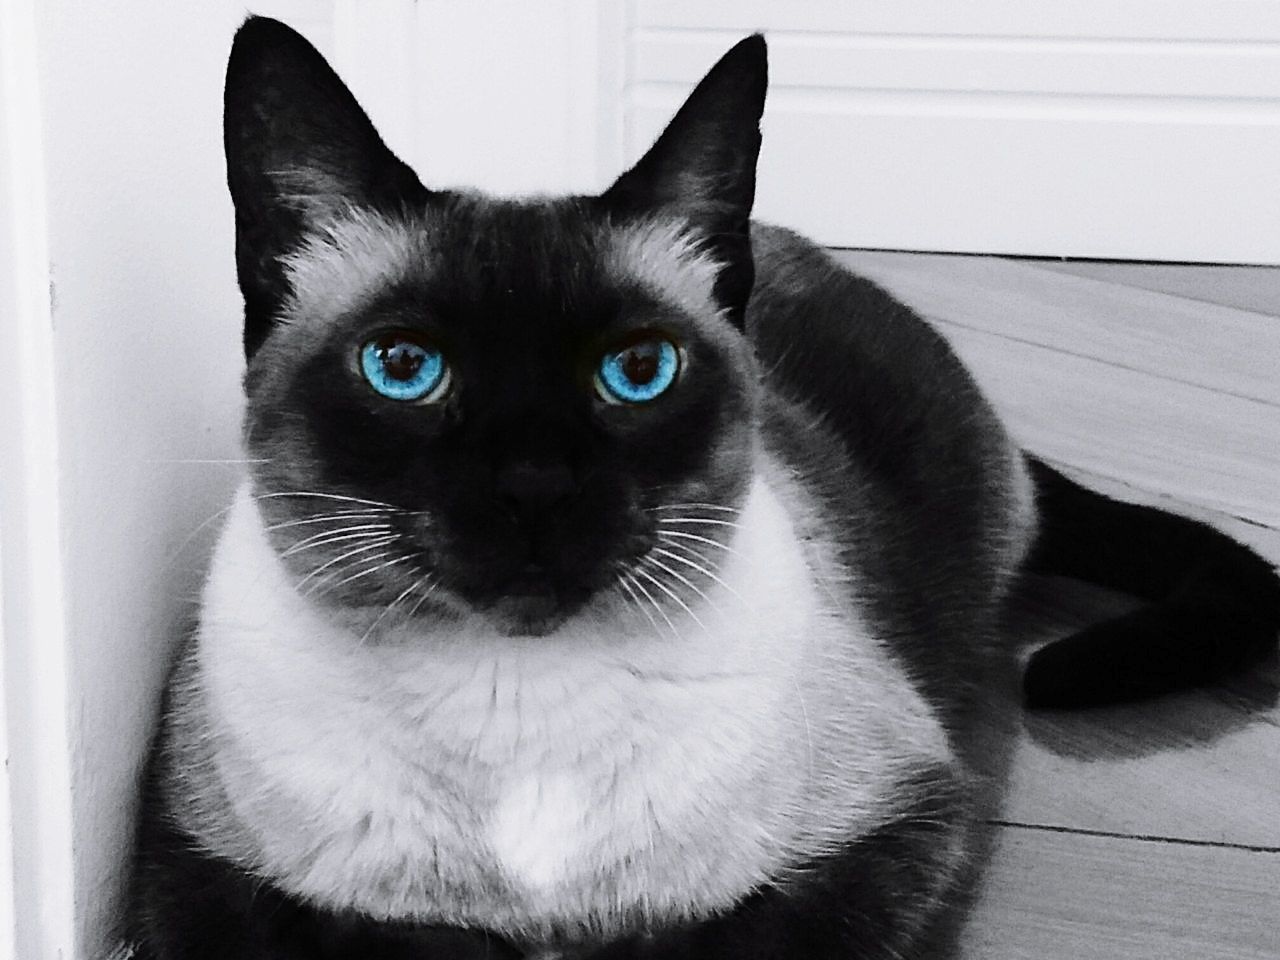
x,y
900,891
190,904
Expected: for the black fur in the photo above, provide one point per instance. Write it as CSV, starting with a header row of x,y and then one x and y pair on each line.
x,y
1215,605
520,331
911,462
703,166
286,114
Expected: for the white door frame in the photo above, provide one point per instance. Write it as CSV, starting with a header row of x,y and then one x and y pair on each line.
x,y
36,881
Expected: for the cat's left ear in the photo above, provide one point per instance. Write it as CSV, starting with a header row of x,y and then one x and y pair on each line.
x,y
300,150
703,168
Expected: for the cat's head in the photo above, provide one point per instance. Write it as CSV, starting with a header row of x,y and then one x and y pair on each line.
x,y
465,404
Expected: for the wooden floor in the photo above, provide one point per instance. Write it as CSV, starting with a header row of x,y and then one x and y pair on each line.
x,y
1148,831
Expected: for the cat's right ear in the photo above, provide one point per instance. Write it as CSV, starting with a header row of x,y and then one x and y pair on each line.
x,y
300,151
702,169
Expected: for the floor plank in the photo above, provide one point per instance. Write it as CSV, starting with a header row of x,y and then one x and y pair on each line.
x,y
1247,288
1149,830
1201,766
1222,348
1164,393
1051,895
1198,445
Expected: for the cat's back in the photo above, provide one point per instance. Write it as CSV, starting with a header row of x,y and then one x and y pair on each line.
x,y
879,374
911,417
924,482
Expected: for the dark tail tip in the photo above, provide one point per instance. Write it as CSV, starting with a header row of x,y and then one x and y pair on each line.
x,y
1214,604
1158,649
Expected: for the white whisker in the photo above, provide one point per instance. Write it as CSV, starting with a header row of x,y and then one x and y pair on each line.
x,y
696,566
388,608
705,506
327,496
808,730
687,551
654,603
636,600
718,523
668,534
421,600
381,566
350,553
326,584
335,536
196,532
322,517
670,593
683,579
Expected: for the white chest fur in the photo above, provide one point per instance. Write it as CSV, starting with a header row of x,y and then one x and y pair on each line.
x,y
585,778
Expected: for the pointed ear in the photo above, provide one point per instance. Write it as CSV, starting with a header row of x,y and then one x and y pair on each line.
x,y
299,151
703,168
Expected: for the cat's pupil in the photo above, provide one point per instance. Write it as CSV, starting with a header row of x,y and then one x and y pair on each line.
x,y
401,360
640,364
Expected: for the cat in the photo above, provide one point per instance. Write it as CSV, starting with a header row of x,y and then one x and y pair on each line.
x,y
615,576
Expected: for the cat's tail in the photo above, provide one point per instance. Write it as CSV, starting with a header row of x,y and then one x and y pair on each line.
x,y
1213,604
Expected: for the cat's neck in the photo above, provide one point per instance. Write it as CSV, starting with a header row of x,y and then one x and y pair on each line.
x,y
475,744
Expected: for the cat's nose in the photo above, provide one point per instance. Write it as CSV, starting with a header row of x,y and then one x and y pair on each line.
x,y
526,487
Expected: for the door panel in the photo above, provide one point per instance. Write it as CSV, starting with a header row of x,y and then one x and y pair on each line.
x,y
1144,130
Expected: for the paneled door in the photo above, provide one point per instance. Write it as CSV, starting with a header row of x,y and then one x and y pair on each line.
x,y
1148,129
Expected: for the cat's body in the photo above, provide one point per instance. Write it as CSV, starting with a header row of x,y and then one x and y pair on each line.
x,y
713,683
619,771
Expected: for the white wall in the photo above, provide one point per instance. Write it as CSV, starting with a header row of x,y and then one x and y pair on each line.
x,y
504,95
145,356
36,807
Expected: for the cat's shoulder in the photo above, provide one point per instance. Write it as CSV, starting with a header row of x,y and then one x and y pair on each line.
x,y
801,287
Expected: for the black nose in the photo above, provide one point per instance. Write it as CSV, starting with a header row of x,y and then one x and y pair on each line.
x,y
528,488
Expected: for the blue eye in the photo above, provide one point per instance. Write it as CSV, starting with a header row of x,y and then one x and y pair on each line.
x,y
400,367
637,373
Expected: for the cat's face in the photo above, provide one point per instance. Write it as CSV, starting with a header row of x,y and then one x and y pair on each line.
x,y
471,405
519,482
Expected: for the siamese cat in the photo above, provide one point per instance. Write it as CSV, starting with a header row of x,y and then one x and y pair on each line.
x,y
615,576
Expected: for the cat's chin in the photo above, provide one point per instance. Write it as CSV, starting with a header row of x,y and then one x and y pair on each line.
x,y
531,605
527,616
